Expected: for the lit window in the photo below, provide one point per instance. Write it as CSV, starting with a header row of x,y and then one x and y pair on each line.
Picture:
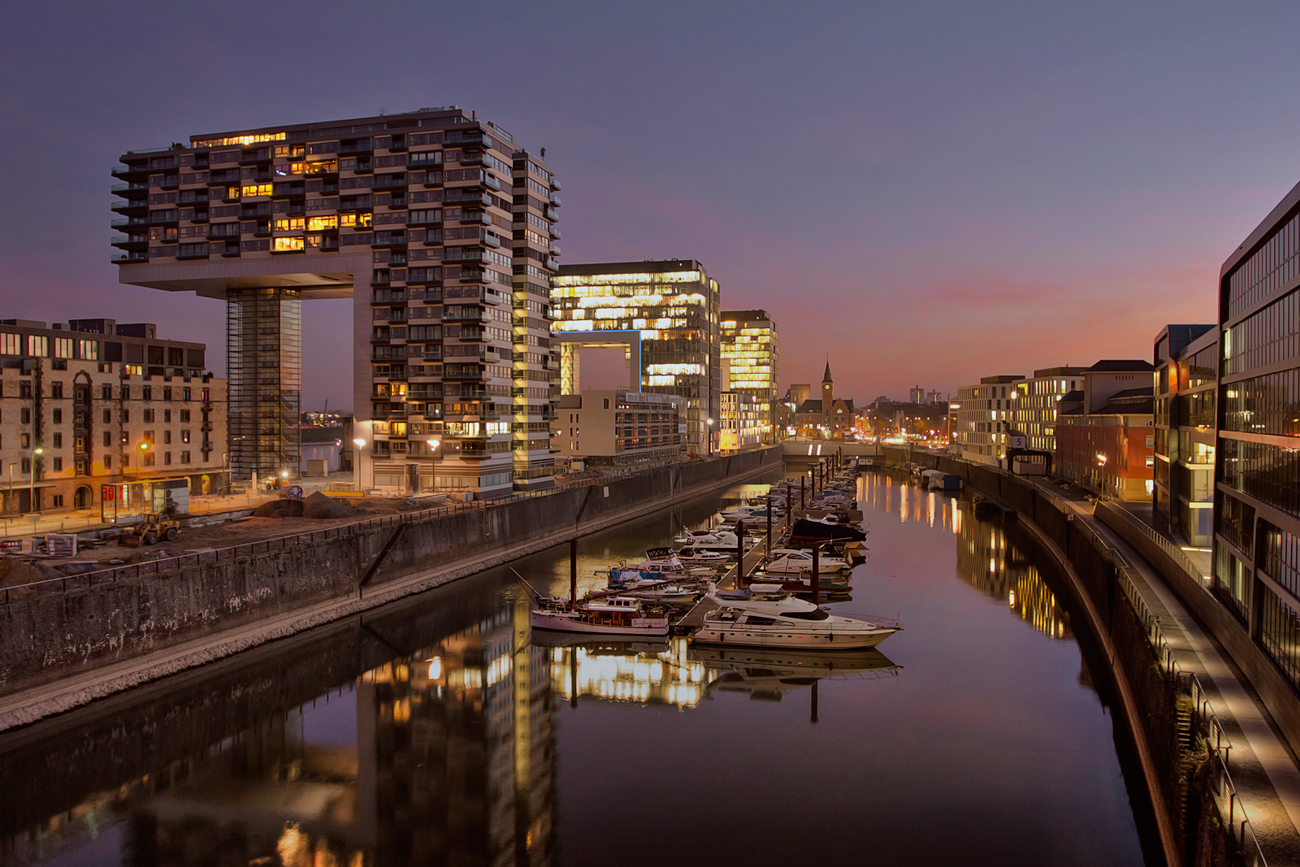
x,y
291,224
256,190
289,244
317,224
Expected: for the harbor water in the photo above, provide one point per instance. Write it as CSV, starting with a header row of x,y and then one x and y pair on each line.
x,y
439,730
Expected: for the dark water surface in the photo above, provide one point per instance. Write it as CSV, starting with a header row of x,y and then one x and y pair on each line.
x,y
435,732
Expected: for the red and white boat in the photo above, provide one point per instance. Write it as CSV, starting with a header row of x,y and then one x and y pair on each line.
x,y
609,615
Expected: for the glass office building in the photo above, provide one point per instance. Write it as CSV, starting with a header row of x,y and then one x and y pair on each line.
x,y
1257,481
675,306
749,346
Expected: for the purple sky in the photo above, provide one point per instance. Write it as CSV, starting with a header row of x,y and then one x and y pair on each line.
x,y
932,191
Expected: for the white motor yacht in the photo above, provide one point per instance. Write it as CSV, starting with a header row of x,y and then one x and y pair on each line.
x,y
700,557
770,620
723,541
787,561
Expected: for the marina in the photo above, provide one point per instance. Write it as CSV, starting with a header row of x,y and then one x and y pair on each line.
x,y
337,755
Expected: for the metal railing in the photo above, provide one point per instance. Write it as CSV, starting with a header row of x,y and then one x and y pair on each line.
x,y
1231,811
99,577
1175,552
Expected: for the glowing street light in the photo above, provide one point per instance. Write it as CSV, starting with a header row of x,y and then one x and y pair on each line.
x,y
434,442
356,465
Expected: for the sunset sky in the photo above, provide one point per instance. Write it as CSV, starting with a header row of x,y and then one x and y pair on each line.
x,y
929,191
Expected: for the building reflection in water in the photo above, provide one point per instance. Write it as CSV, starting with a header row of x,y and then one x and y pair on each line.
x,y
879,490
454,763
990,564
646,673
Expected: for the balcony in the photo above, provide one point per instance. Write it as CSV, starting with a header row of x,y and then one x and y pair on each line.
x,y
124,225
476,217
555,249
491,240
555,200
555,185
471,158
129,171
551,264
130,205
124,189
555,233
134,256
491,182
470,276
361,146
126,242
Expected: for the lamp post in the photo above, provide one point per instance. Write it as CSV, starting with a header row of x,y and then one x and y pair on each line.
x,y
434,442
31,484
356,468
709,447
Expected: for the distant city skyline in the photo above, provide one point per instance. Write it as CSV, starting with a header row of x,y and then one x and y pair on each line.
x,y
939,192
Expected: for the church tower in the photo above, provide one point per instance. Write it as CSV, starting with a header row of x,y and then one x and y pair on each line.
x,y
828,389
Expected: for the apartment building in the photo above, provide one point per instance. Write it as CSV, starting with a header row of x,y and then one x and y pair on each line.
x,y
1257,497
1035,401
981,417
438,225
1186,379
91,402
674,306
750,348
620,428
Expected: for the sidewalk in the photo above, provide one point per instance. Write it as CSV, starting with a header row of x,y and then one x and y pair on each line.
x,y
1264,771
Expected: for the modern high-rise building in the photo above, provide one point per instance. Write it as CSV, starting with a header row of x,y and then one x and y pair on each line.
x,y
750,347
1257,505
1187,364
675,307
439,226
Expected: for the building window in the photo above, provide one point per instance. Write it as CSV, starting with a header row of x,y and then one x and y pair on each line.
x,y
185,416
57,416
126,416
167,437
147,393
108,439
148,415
185,436
185,457
147,459
108,417
24,416
58,465
108,462
58,440
56,390
58,501
167,416
167,393
167,458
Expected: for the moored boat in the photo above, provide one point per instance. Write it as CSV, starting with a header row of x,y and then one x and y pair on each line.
x,y
611,615
767,620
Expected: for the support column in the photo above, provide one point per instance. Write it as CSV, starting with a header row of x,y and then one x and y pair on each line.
x,y
264,365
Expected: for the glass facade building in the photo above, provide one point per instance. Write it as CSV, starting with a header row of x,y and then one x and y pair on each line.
x,y
750,348
439,226
1186,378
1257,469
674,304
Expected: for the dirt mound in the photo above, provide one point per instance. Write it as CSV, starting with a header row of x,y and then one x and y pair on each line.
x,y
317,505
279,509
14,571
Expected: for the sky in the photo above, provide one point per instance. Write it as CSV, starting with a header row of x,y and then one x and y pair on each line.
x,y
924,192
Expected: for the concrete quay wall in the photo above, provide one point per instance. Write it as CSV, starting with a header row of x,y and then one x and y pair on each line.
x,y
53,637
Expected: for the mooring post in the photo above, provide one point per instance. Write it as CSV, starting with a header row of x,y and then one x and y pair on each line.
x,y
816,581
573,571
740,554
802,479
814,701
769,527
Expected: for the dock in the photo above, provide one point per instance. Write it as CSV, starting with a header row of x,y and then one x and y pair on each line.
x,y
754,554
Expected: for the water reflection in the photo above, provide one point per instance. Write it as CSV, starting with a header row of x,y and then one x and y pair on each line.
x,y
641,673
437,731
989,563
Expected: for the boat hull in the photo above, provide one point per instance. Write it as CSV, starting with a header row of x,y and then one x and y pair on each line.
x,y
791,638
560,621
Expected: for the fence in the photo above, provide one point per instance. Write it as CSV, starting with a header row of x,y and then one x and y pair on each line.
x,y
88,579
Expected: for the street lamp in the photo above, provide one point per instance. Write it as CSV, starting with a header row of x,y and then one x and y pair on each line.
x,y
31,485
710,442
356,469
434,442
